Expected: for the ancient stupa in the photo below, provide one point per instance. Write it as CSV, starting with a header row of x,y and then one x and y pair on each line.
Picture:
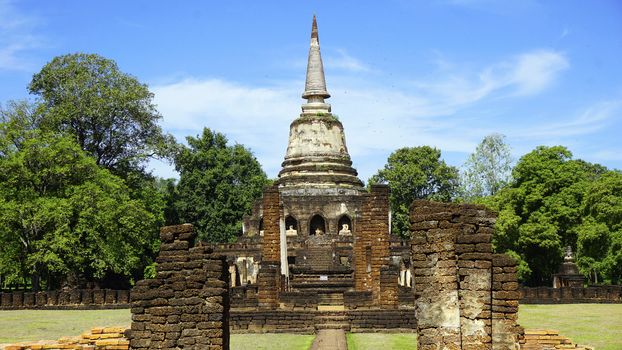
x,y
317,157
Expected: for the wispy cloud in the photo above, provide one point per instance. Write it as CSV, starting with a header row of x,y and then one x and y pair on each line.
x,y
525,74
344,61
588,121
16,37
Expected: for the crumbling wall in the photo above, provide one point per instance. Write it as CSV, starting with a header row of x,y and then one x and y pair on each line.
x,y
371,246
463,299
187,305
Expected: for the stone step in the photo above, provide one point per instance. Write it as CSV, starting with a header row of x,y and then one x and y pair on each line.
x,y
330,318
341,325
302,330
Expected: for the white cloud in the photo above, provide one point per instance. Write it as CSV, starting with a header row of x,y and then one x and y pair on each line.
x,y
377,118
16,37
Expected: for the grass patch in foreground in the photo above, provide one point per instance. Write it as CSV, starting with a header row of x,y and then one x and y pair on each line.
x,y
25,325
597,325
384,341
270,341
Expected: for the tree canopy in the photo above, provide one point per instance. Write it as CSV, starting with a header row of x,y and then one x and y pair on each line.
x,y
540,210
63,219
217,186
415,173
110,112
487,170
599,236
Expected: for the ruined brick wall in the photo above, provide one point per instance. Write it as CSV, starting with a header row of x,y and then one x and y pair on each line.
x,y
268,279
187,305
78,299
457,301
571,295
371,242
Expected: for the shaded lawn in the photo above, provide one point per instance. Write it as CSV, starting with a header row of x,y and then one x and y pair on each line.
x,y
384,341
597,325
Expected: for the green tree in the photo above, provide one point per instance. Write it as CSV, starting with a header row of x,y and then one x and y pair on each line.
x,y
415,173
110,112
599,241
488,169
63,219
217,185
540,210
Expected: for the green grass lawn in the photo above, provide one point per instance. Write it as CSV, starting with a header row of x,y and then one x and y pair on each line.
x,y
271,341
22,325
597,325
374,341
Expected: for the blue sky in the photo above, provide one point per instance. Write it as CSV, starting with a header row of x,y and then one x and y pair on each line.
x,y
443,73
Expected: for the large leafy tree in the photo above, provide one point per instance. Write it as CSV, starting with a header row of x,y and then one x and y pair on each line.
x,y
487,169
110,112
217,185
599,241
415,173
540,210
64,219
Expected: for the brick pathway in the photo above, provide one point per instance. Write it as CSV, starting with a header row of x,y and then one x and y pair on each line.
x,y
330,339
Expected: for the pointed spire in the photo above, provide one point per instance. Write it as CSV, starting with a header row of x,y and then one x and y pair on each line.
x,y
315,86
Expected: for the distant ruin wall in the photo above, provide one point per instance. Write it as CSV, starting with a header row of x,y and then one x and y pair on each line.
x,y
457,300
571,295
73,299
187,305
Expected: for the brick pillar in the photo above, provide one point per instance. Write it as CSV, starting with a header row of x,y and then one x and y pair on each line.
x,y
506,333
187,304
268,279
371,242
435,272
388,287
474,252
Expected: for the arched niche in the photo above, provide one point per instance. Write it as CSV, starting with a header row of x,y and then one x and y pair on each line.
x,y
344,225
317,225
261,226
291,225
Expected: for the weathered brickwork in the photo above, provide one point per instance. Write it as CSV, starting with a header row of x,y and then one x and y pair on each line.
x,y
271,215
66,299
101,338
371,243
462,300
187,305
309,321
545,339
268,279
505,295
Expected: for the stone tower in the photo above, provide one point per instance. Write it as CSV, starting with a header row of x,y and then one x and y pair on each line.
x,y
317,159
